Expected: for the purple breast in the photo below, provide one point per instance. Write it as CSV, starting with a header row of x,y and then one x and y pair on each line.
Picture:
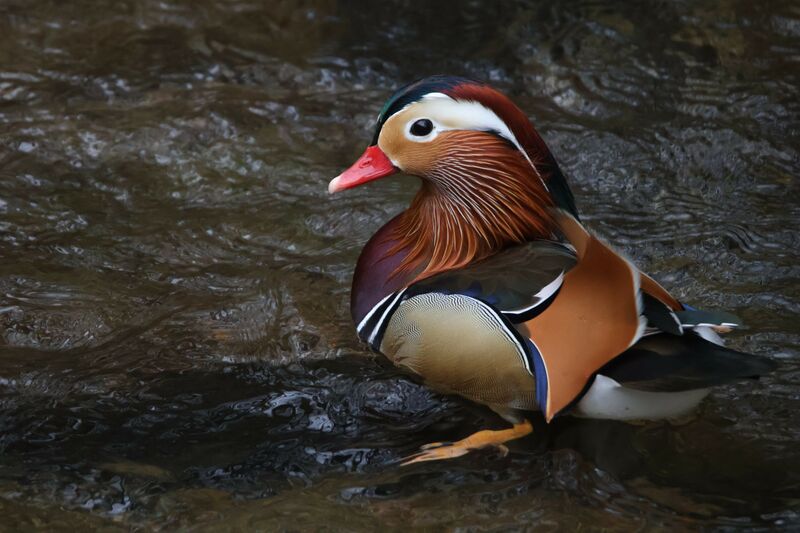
x,y
373,280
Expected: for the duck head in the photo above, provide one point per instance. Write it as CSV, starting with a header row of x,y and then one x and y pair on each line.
x,y
488,179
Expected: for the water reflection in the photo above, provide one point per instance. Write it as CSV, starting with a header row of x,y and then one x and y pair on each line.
x,y
176,344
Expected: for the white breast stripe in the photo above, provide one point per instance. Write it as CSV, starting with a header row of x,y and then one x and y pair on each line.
x,y
389,307
371,312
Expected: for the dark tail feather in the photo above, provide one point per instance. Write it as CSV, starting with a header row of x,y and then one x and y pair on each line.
x,y
666,363
560,191
697,317
660,316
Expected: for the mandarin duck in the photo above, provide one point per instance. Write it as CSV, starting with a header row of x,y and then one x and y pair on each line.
x,y
489,287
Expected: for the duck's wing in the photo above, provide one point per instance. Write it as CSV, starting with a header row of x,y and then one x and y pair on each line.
x,y
668,363
516,284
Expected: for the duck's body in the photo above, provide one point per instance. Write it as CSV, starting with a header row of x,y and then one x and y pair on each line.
x,y
464,332
489,287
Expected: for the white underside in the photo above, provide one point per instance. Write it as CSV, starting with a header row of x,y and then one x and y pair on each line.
x,y
608,399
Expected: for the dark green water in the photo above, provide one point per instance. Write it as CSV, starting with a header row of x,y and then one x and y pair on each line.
x,y
176,347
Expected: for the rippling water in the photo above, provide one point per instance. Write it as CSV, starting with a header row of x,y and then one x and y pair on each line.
x,y
176,346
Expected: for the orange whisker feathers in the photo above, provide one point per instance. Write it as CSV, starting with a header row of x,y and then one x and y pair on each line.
x,y
480,197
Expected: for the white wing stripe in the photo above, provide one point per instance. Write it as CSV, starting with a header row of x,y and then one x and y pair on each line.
x,y
546,292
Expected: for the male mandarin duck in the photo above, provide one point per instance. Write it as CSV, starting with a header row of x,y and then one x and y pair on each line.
x,y
489,287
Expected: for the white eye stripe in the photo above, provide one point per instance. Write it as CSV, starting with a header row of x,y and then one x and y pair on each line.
x,y
448,114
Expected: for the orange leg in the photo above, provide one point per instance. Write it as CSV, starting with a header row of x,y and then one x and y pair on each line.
x,y
482,439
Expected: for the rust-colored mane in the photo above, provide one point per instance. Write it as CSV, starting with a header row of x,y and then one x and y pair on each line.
x,y
513,117
480,196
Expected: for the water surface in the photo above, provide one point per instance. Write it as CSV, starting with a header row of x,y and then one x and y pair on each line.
x,y
176,346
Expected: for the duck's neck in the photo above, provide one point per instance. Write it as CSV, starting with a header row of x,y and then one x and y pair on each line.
x,y
374,277
465,210
448,227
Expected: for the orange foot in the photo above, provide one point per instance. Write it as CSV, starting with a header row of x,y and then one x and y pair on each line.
x,y
482,439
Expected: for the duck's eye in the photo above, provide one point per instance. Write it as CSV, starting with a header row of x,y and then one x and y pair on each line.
x,y
421,127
